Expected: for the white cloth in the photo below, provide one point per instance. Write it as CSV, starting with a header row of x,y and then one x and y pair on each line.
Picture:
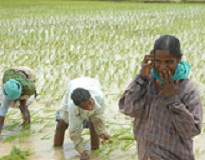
x,y
74,116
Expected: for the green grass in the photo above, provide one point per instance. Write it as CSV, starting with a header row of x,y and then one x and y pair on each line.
x,y
62,40
17,154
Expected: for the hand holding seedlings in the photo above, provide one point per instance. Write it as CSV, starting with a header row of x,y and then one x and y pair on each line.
x,y
84,156
105,137
169,88
147,64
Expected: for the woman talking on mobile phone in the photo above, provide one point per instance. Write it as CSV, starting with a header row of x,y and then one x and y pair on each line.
x,y
167,107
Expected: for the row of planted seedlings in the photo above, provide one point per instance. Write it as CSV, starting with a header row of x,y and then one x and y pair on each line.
x,y
43,117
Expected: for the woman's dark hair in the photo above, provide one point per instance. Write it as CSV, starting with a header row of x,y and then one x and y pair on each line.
x,y
80,95
168,42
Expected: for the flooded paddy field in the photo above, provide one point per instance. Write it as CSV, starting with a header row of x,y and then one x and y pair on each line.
x,y
62,40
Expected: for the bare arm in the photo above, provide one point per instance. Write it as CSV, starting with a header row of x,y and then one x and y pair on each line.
x,y
25,112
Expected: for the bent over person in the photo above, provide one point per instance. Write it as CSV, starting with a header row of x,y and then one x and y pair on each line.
x,y
18,91
82,107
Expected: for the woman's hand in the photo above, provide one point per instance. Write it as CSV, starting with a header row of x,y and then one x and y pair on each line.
x,y
147,65
169,88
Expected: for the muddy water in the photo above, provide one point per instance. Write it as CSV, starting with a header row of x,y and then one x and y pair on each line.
x,y
44,150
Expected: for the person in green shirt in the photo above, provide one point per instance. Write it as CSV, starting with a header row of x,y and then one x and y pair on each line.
x,y
19,91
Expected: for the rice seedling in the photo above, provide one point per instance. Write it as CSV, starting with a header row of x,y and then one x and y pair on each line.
x,y
17,154
22,136
46,137
199,152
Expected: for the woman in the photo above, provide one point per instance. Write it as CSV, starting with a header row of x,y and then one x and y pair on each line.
x,y
167,108
17,90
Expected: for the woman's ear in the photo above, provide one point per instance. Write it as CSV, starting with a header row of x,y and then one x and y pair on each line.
x,y
180,58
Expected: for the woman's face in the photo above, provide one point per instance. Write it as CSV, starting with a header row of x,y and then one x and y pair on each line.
x,y
164,61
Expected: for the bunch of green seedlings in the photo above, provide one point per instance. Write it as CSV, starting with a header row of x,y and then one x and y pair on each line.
x,y
17,154
22,134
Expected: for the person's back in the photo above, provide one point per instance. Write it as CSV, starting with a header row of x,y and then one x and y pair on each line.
x,y
90,84
87,83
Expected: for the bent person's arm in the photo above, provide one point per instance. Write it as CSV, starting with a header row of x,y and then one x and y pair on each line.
x,y
98,117
75,130
4,106
25,112
98,122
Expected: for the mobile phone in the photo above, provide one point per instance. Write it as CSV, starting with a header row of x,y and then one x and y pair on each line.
x,y
153,58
